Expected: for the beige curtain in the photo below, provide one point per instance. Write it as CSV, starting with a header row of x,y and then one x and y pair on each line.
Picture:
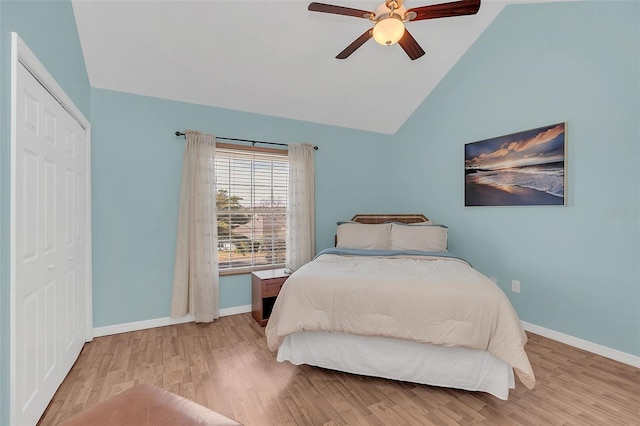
x,y
301,223
195,276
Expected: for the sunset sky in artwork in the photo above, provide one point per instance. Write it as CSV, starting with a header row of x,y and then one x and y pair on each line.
x,y
531,147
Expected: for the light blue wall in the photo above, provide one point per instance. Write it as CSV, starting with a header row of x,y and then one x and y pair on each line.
x,y
538,65
49,29
136,167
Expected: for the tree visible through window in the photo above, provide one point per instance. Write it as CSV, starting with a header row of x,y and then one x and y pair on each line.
x,y
251,204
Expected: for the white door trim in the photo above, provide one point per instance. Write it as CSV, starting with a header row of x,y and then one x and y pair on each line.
x,y
21,54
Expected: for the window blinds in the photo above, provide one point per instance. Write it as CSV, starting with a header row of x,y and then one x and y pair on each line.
x,y
251,206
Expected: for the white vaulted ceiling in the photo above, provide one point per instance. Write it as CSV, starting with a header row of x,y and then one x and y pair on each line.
x,y
270,57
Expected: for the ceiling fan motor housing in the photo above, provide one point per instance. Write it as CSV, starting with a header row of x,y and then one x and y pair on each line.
x,y
383,11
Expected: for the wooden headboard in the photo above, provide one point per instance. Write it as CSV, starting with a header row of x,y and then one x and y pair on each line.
x,y
382,218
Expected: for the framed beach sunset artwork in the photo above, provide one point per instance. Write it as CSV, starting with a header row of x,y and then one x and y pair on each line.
x,y
522,169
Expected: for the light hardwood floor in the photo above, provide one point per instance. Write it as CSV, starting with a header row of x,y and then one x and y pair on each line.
x,y
226,366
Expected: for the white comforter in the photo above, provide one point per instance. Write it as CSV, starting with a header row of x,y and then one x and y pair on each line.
x,y
442,301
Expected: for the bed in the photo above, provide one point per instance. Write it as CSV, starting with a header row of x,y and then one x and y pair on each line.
x,y
390,301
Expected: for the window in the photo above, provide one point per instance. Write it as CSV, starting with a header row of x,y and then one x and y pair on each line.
x,y
251,205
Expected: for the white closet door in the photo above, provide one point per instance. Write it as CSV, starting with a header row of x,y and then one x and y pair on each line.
x,y
48,300
72,240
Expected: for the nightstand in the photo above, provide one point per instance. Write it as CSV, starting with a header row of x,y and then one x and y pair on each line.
x,y
265,286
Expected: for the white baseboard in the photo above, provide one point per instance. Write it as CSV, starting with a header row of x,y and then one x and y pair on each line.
x,y
160,322
604,351
235,310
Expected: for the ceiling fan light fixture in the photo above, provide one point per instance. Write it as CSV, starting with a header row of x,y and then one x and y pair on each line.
x,y
389,30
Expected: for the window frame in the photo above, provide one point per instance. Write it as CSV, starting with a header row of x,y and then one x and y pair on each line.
x,y
250,148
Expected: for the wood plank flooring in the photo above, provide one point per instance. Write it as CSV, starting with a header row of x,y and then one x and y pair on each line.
x,y
226,366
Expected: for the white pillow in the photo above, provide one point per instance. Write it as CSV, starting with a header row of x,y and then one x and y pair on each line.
x,y
364,236
423,238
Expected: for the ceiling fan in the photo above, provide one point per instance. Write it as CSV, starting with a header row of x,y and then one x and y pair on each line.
x,y
389,19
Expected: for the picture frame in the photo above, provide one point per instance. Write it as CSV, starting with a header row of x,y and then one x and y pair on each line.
x,y
526,168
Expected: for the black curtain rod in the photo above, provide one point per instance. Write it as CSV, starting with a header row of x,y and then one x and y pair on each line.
x,y
179,133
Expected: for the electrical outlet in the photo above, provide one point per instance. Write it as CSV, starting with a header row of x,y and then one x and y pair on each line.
x,y
515,286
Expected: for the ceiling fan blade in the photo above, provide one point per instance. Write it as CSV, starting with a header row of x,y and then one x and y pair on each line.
x,y
355,45
339,10
444,10
410,45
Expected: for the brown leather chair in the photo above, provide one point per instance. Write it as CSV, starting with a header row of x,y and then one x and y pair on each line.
x,y
146,405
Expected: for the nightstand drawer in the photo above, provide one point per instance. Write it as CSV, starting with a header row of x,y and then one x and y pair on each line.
x,y
272,287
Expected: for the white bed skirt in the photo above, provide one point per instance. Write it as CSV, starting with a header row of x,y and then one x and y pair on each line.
x,y
460,368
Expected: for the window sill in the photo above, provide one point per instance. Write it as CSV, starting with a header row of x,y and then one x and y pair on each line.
x,y
239,271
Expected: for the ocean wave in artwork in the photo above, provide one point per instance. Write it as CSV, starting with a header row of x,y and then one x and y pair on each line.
x,y
548,177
